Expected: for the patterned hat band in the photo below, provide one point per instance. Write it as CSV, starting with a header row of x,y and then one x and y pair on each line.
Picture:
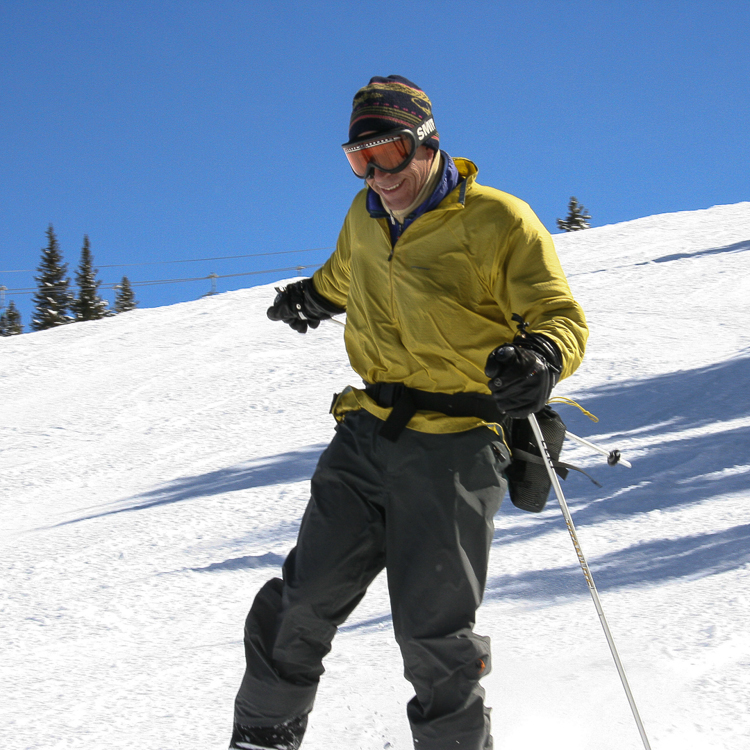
x,y
389,103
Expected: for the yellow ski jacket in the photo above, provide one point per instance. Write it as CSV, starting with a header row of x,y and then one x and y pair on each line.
x,y
428,311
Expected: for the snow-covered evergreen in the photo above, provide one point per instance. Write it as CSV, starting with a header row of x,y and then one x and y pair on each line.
x,y
88,305
10,321
578,217
52,299
125,297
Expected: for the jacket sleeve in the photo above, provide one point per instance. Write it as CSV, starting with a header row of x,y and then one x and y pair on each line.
x,y
528,280
332,280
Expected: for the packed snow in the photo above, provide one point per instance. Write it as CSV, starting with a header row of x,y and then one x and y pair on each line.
x,y
154,468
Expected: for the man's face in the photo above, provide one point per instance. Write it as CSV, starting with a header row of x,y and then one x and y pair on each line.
x,y
398,191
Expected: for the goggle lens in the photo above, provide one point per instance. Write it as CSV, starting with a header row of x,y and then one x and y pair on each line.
x,y
388,153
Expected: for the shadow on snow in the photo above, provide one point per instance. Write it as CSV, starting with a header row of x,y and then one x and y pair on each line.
x,y
268,560
650,562
695,453
735,248
284,468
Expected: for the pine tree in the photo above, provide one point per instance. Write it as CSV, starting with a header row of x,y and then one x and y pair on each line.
x,y
52,298
10,321
88,305
125,299
578,217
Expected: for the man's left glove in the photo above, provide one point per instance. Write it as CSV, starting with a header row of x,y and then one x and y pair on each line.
x,y
523,374
300,306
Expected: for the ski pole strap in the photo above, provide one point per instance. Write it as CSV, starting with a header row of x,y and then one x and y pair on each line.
x,y
561,468
405,402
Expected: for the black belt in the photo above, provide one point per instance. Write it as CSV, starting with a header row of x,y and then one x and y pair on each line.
x,y
406,402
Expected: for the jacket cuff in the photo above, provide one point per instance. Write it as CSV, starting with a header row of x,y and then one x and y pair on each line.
x,y
317,303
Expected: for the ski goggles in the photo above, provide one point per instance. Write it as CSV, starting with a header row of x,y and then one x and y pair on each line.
x,y
389,152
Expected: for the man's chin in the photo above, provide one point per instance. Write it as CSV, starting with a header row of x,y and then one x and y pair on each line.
x,y
398,204
396,200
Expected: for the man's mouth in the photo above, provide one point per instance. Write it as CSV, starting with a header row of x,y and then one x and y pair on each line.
x,y
392,188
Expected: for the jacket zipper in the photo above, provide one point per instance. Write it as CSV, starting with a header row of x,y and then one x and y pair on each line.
x,y
393,244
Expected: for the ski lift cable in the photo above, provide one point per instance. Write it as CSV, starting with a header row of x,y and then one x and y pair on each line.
x,y
159,282
189,260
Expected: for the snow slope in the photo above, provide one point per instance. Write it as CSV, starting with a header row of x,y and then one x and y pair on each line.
x,y
153,472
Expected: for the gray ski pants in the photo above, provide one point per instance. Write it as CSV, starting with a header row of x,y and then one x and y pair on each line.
x,y
421,508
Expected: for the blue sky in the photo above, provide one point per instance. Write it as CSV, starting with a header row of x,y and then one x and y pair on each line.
x,y
172,132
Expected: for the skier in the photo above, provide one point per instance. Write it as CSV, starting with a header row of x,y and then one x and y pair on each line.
x,y
430,267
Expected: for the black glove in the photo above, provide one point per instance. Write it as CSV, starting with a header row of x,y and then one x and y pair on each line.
x,y
523,374
300,306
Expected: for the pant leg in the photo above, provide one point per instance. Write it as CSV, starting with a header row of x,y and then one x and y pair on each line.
x,y
445,491
340,549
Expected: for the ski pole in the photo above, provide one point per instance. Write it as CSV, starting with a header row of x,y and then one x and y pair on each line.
x,y
613,457
587,574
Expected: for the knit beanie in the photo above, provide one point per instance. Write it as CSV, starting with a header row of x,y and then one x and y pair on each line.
x,y
389,103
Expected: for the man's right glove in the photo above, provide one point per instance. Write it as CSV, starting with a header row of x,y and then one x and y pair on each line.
x,y
523,374
300,306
